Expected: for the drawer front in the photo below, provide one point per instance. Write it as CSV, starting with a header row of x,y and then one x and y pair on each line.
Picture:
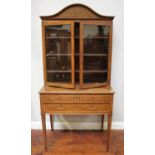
x,y
94,107
76,108
76,98
60,107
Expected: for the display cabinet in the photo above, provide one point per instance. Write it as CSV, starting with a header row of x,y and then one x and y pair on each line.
x,y
77,52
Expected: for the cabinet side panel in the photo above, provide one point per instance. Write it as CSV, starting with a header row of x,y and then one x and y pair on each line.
x,y
110,54
43,53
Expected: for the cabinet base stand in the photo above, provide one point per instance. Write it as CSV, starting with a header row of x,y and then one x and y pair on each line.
x,y
98,101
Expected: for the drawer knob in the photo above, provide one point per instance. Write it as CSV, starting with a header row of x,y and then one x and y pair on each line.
x,y
92,107
60,108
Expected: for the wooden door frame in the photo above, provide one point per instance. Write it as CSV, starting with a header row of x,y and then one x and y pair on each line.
x,y
95,22
47,23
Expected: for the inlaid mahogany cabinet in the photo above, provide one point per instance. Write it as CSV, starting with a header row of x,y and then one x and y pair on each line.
x,y
77,51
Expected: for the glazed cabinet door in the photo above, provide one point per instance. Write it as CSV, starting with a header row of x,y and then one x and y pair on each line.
x,y
58,53
95,53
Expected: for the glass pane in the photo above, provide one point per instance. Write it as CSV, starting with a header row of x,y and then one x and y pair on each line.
x,y
95,77
58,31
96,31
95,53
95,63
96,46
58,53
96,39
58,63
59,77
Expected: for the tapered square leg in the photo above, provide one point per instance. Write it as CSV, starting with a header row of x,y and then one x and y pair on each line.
x,y
102,122
44,130
109,131
51,121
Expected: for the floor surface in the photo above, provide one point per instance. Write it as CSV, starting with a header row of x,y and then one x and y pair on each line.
x,y
77,142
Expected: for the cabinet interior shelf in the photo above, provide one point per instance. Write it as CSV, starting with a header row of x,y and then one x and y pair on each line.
x,y
61,37
96,37
77,71
58,37
59,71
93,54
94,71
76,54
50,54
77,37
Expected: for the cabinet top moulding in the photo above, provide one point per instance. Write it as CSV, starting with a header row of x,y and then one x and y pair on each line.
x,y
77,12
54,90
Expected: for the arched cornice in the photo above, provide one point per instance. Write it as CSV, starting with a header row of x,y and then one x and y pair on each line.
x,y
76,11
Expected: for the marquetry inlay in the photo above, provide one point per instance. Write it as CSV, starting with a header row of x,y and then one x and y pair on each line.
x,y
76,98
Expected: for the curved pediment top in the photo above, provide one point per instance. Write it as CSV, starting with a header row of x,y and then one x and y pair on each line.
x,y
76,11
